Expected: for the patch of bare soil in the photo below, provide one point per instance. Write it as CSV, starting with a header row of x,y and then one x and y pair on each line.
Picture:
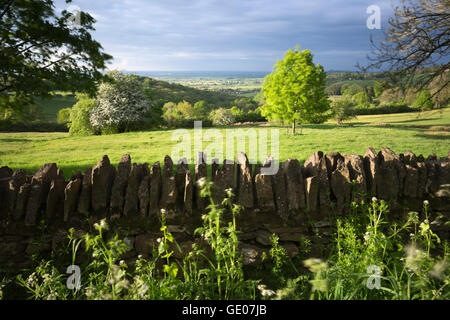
x,y
438,133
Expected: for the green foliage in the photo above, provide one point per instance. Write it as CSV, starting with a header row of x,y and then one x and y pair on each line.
x,y
295,90
121,104
218,275
342,109
80,124
379,87
361,99
222,117
201,110
64,116
423,100
351,89
41,52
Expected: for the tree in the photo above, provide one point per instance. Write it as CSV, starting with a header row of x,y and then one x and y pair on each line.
x,y
417,37
295,90
351,90
342,109
64,116
121,103
41,51
222,117
361,99
201,110
80,124
423,100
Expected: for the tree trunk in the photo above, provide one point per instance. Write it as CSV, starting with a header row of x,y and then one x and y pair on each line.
x,y
293,127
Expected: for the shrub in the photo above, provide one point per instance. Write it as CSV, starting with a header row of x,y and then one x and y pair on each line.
x,y
342,109
121,103
423,100
222,117
80,124
64,116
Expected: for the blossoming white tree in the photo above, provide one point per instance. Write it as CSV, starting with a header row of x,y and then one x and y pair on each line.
x,y
120,103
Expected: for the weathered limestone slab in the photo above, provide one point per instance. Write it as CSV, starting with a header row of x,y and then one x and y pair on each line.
x,y
102,178
295,187
155,188
55,200
119,187
71,196
341,185
84,202
131,206
200,173
244,180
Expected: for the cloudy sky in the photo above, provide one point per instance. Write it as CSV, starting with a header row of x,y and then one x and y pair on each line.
x,y
230,35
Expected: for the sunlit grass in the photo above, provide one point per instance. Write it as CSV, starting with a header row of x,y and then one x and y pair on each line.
x,y
30,150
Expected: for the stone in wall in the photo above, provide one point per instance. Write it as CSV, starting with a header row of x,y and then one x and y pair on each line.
x,y
388,183
169,189
45,175
119,187
341,185
180,180
244,181
355,164
324,189
311,166
55,200
280,194
34,203
102,177
200,173
21,202
264,192
71,196
155,188
17,180
371,169
295,187
188,195
84,202
131,206
223,180
144,195
312,193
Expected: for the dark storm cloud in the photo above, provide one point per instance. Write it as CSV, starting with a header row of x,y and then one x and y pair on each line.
x,y
230,35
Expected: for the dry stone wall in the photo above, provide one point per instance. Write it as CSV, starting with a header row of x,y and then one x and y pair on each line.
x,y
295,202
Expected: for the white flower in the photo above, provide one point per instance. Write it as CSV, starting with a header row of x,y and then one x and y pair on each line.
x,y
122,263
426,203
158,240
425,221
374,199
140,256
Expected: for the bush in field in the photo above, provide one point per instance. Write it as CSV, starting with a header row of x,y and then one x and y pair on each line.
x,y
178,115
64,116
423,100
222,117
80,124
201,110
342,109
361,99
121,104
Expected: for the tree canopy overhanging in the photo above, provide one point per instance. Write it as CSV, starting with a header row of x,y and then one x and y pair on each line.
x,y
41,51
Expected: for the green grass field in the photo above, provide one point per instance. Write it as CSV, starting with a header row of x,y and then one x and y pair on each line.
x,y
51,106
424,134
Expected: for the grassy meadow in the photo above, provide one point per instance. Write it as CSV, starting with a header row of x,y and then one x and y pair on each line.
x,y
423,133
